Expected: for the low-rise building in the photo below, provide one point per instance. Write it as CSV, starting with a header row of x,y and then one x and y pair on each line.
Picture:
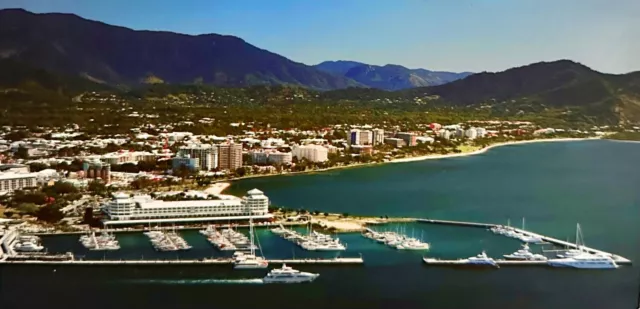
x,y
395,142
142,209
407,137
16,178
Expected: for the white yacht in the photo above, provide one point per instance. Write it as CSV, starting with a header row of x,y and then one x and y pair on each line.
x,y
28,246
249,261
279,230
482,259
585,260
525,254
289,275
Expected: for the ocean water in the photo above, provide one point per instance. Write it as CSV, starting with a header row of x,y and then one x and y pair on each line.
x,y
553,185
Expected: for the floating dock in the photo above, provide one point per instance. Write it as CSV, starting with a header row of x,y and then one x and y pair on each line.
x,y
335,261
618,259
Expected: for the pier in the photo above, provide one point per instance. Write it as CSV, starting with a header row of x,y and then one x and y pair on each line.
x,y
334,261
618,259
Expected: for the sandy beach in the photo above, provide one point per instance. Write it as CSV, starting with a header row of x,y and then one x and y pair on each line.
x,y
483,150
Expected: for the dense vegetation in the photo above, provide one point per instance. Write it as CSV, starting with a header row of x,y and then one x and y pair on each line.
x,y
69,44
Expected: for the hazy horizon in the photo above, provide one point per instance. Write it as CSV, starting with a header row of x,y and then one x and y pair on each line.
x,y
471,36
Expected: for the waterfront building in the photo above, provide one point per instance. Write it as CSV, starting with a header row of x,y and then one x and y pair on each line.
x,y
362,149
191,163
354,137
206,154
460,132
446,134
313,153
229,156
378,136
409,138
481,132
471,133
259,157
143,209
395,142
97,170
282,158
366,137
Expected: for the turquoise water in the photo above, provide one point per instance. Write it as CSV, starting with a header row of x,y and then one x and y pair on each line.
x,y
554,185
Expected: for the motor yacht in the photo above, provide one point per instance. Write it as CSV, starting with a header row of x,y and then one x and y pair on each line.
x,y
525,254
287,274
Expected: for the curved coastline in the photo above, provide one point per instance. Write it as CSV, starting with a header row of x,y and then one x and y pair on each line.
x,y
425,157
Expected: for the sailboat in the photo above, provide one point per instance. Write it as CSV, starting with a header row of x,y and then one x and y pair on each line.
x,y
249,261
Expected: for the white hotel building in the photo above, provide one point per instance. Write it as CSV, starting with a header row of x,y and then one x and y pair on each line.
x,y
143,209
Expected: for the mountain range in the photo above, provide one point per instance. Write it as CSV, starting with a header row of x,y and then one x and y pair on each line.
x,y
69,44
388,77
63,54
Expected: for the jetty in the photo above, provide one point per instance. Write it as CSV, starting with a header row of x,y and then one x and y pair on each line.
x,y
221,261
618,259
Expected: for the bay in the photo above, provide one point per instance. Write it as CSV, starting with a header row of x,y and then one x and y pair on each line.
x,y
553,185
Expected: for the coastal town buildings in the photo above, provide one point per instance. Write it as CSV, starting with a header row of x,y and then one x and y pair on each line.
x,y
395,142
313,153
206,154
97,170
407,137
185,160
378,136
229,156
16,177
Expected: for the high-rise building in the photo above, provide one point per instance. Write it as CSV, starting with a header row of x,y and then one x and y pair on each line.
x,y
409,138
206,154
313,153
229,156
378,136
366,137
360,137
354,137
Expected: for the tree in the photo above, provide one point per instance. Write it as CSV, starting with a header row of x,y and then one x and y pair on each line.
x,y
51,214
60,188
36,166
240,171
28,208
88,215
97,187
21,153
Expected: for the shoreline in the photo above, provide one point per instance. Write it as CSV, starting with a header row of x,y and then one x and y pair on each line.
x,y
425,157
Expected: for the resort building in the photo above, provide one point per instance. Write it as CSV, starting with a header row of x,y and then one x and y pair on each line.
x,y
378,136
143,209
313,153
206,154
229,156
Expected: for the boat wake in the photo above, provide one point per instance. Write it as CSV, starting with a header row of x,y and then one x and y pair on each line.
x,y
199,281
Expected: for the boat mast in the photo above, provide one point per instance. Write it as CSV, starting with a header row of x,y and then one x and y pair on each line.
x,y
253,250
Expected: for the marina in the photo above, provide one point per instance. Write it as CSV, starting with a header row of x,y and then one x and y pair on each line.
x,y
334,261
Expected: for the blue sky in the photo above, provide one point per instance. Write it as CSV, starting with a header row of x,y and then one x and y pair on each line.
x,y
454,35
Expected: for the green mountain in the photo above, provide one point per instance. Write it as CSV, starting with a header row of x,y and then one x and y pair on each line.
x,y
68,44
552,84
389,77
